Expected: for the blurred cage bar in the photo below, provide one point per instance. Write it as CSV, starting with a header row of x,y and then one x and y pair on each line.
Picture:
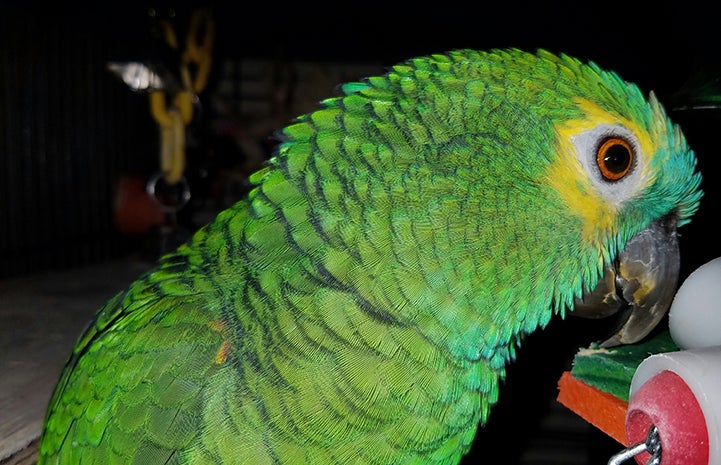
x,y
67,129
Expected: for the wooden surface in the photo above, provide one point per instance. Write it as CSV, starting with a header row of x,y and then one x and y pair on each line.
x,y
40,318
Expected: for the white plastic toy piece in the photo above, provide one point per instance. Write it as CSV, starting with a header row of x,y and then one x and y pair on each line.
x,y
694,319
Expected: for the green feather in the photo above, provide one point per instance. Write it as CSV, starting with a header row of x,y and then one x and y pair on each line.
x,y
361,304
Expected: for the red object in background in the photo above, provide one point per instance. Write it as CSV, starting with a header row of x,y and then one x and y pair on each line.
x,y
135,213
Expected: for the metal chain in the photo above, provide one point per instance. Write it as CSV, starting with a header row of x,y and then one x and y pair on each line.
x,y
173,117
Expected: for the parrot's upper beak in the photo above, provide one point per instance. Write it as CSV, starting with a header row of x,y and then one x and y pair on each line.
x,y
639,284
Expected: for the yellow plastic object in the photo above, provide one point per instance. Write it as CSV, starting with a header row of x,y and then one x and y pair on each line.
x,y
174,116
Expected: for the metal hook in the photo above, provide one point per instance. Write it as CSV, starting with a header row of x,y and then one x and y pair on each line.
x,y
652,445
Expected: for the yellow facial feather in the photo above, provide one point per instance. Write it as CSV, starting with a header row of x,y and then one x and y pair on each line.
x,y
569,178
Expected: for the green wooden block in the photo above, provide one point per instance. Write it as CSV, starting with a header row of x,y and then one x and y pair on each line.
x,y
611,370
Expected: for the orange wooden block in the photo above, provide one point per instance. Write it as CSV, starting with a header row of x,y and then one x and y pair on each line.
x,y
603,410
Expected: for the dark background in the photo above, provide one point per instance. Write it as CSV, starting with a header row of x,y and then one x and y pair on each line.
x,y
69,130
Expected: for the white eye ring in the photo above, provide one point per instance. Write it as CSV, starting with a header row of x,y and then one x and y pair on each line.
x,y
587,145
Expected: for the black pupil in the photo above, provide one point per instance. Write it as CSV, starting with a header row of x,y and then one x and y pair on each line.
x,y
617,158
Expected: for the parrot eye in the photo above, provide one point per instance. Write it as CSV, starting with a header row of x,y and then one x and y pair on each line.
x,y
614,158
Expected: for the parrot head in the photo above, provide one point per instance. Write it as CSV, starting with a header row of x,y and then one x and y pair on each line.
x,y
639,281
622,169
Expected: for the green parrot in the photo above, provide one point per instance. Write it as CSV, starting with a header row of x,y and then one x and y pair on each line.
x,y
362,303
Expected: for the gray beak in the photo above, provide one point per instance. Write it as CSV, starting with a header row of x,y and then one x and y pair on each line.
x,y
639,285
